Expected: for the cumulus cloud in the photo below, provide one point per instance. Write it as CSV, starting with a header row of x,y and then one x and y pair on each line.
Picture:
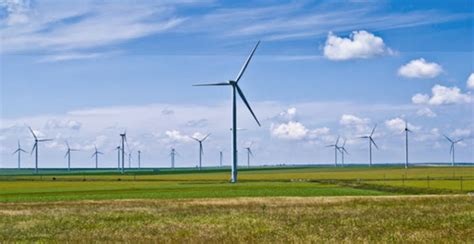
x,y
470,81
461,133
289,114
177,136
398,125
63,124
359,45
442,95
421,69
352,121
427,112
17,11
291,130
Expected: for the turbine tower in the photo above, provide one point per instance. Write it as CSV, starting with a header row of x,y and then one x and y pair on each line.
x,y
451,151
96,155
139,158
336,148
249,153
35,147
124,139
173,154
236,89
118,157
220,158
201,151
343,151
406,143
371,141
19,150
68,155
130,159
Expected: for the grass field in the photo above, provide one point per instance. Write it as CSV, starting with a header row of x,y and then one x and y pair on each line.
x,y
286,204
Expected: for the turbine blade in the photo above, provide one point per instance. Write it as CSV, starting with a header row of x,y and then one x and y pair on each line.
x,y
17,150
22,150
447,138
373,130
43,140
247,103
372,140
344,143
214,84
203,139
460,140
364,137
337,141
244,67
34,146
345,150
31,130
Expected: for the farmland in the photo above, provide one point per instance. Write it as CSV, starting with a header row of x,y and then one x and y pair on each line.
x,y
286,204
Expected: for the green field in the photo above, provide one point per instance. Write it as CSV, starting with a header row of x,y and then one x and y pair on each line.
x,y
286,204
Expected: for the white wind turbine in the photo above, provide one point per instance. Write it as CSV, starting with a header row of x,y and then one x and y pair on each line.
x,y
452,151
343,151
96,155
249,153
336,148
35,147
201,150
371,141
406,143
68,155
236,89
19,150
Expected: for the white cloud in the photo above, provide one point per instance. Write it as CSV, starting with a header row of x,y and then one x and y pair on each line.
x,y
289,114
63,124
470,81
461,133
177,136
427,112
17,11
290,130
352,121
398,125
421,69
361,44
442,95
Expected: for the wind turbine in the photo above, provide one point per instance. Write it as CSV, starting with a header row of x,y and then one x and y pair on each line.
x,y
236,89
201,151
173,154
451,151
124,139
220,158
130,159
118,157
406,143
343,151
371,141
96,154
68,155
19,151
249,153
35,147
139,158
336,148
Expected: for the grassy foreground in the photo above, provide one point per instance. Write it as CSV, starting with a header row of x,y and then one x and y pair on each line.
x,y
429,219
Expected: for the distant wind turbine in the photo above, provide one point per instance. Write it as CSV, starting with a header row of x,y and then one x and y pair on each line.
x,y
139,159
249,153
35,147
236,89
68,155
173,154
124,139
220,158
201,151
343,151
19,150
336,148
371,141
452,151
118,157
406,143
96,155
130,159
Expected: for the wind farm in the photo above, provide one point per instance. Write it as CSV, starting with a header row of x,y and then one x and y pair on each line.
x,y
236,122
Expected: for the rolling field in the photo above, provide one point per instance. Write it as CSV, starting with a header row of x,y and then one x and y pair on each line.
x,y
291,204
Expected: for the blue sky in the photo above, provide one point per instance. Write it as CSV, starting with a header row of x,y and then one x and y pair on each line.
x,y
84,71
